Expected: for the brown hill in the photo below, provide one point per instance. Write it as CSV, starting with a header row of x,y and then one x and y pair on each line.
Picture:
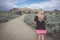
x,y
23,10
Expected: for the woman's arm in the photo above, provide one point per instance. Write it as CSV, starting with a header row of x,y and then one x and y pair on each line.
x,y
35,19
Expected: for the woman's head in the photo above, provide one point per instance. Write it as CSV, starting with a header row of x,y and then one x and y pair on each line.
x,y
41,12
41,15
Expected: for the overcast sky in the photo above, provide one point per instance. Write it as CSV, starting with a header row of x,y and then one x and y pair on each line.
x,y
37,4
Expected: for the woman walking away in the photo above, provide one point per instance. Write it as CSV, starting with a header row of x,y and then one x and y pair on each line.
x,y
39,20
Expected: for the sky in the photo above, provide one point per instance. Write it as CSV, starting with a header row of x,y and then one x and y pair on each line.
x,y
36,4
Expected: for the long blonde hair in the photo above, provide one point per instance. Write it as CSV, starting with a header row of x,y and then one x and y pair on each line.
x,y
41,15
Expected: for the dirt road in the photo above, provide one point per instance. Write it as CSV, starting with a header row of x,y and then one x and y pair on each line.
x,y
16,29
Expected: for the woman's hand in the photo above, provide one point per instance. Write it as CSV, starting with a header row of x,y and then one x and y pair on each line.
x,y
34,22
43,20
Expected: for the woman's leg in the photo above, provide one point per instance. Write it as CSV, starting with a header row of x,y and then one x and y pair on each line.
x,y
42,36
39,36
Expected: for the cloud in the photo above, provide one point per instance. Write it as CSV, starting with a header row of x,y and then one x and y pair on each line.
x,y
8,4
47,5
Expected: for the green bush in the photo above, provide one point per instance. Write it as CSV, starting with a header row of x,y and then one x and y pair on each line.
x,y
53,21
29,19
7,16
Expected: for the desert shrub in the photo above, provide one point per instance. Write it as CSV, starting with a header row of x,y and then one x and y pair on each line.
x,y
53,21
12,16
29,19
7,16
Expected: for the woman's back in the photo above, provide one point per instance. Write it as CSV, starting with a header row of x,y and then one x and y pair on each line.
x,y
40,25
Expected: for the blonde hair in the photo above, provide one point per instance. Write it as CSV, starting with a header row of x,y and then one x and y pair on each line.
x,y
41,15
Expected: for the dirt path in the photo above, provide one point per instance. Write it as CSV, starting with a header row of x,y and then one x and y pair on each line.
x,y
16,29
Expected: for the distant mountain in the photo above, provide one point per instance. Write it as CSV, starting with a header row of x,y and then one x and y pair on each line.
x,y
23,10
